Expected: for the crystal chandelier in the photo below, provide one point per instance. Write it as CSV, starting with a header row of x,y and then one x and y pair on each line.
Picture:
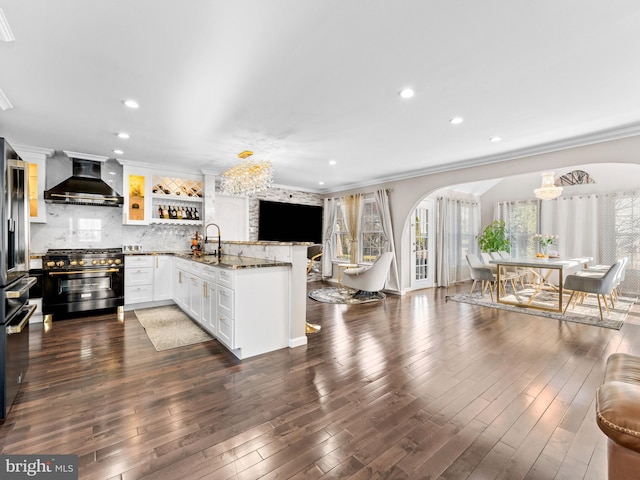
x,y
248,177
548,190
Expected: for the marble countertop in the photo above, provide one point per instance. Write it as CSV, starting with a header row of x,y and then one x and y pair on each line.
x,y
232,262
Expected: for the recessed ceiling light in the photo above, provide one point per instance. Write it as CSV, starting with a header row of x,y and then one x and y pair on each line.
x,y
131,103
320,183
123,135
407,93
112,173
118,151
456,120
495,139
6,35
332,162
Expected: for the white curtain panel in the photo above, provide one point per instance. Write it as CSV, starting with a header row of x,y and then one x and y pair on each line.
x,y
330,213
442,232
457,228
577,222
382,201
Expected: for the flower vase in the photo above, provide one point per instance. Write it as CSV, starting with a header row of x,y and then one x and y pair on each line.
x,y
543,251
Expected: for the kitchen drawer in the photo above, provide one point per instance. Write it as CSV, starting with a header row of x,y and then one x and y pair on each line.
x,y
209,273
225,301
226,328
138,294
138,261
225,277
138,276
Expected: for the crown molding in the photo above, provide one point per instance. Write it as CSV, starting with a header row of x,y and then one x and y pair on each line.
x,y
85,156
158,168
6,35
592,138
25,151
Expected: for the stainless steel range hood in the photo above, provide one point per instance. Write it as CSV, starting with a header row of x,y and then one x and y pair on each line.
x,y
84,187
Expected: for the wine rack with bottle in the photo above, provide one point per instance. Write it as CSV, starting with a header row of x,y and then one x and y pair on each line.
x,y
176,200
176,212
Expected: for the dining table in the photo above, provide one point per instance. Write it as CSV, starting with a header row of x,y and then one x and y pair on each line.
x,y
541,270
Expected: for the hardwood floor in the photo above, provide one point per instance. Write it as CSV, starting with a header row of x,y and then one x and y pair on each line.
x,y
412,387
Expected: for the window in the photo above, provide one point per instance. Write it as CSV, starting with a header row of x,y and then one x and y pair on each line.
x,y
371,243
523,225
341,237
372,238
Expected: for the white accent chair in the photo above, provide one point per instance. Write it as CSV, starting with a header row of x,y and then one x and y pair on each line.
x,y
369,279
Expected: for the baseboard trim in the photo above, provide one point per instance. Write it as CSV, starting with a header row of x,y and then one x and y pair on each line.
x,y
297,342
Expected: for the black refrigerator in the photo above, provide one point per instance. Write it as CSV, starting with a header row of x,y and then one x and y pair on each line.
x,y
14,276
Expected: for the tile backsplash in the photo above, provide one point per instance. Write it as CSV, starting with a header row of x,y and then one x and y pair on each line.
x,y
83,226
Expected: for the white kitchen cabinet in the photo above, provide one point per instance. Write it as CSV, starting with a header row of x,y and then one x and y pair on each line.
x,y
138,279
162,276
180,286
194,296
136,186
146,190
148,279
209,307
247,309
37,160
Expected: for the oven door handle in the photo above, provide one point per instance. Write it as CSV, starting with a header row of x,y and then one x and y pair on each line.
x,y
28,311
72,272
25,284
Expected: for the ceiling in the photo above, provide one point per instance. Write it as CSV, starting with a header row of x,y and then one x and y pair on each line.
x,y
303,83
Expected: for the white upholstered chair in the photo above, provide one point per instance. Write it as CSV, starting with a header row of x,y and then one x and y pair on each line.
x,y
481,273
369,279
594,282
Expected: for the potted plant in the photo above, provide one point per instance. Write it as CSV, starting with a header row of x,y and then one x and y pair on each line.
x,y
495,238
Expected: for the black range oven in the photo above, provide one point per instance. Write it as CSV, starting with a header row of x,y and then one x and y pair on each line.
x,y
82,281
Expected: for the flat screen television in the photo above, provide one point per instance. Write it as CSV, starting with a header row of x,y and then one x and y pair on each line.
x,y
289,222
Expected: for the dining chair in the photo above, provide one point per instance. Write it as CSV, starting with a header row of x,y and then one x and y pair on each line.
x,y
508,274
593,282
481,273
602,269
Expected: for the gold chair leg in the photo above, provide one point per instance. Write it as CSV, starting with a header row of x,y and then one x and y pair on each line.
x,y
568,302
312,328
473,285
606,305
600,307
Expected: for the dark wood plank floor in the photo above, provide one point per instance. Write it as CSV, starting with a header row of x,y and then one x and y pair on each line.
x,y
412,387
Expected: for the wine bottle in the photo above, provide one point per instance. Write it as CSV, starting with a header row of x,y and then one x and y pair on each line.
x,y
160,215
165,212
197,214
179,213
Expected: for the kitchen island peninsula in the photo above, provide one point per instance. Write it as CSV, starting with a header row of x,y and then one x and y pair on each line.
x,y
250,304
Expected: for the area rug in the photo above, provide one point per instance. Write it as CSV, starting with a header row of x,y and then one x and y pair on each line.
x,y
345,295
168,327
586,313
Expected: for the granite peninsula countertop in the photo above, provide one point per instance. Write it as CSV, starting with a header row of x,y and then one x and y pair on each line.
x,y
232,262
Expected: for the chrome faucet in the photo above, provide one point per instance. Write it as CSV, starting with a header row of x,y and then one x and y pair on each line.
x,y
206,238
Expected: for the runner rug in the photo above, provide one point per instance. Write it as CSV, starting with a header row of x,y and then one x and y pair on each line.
x,y
169,327
586,313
